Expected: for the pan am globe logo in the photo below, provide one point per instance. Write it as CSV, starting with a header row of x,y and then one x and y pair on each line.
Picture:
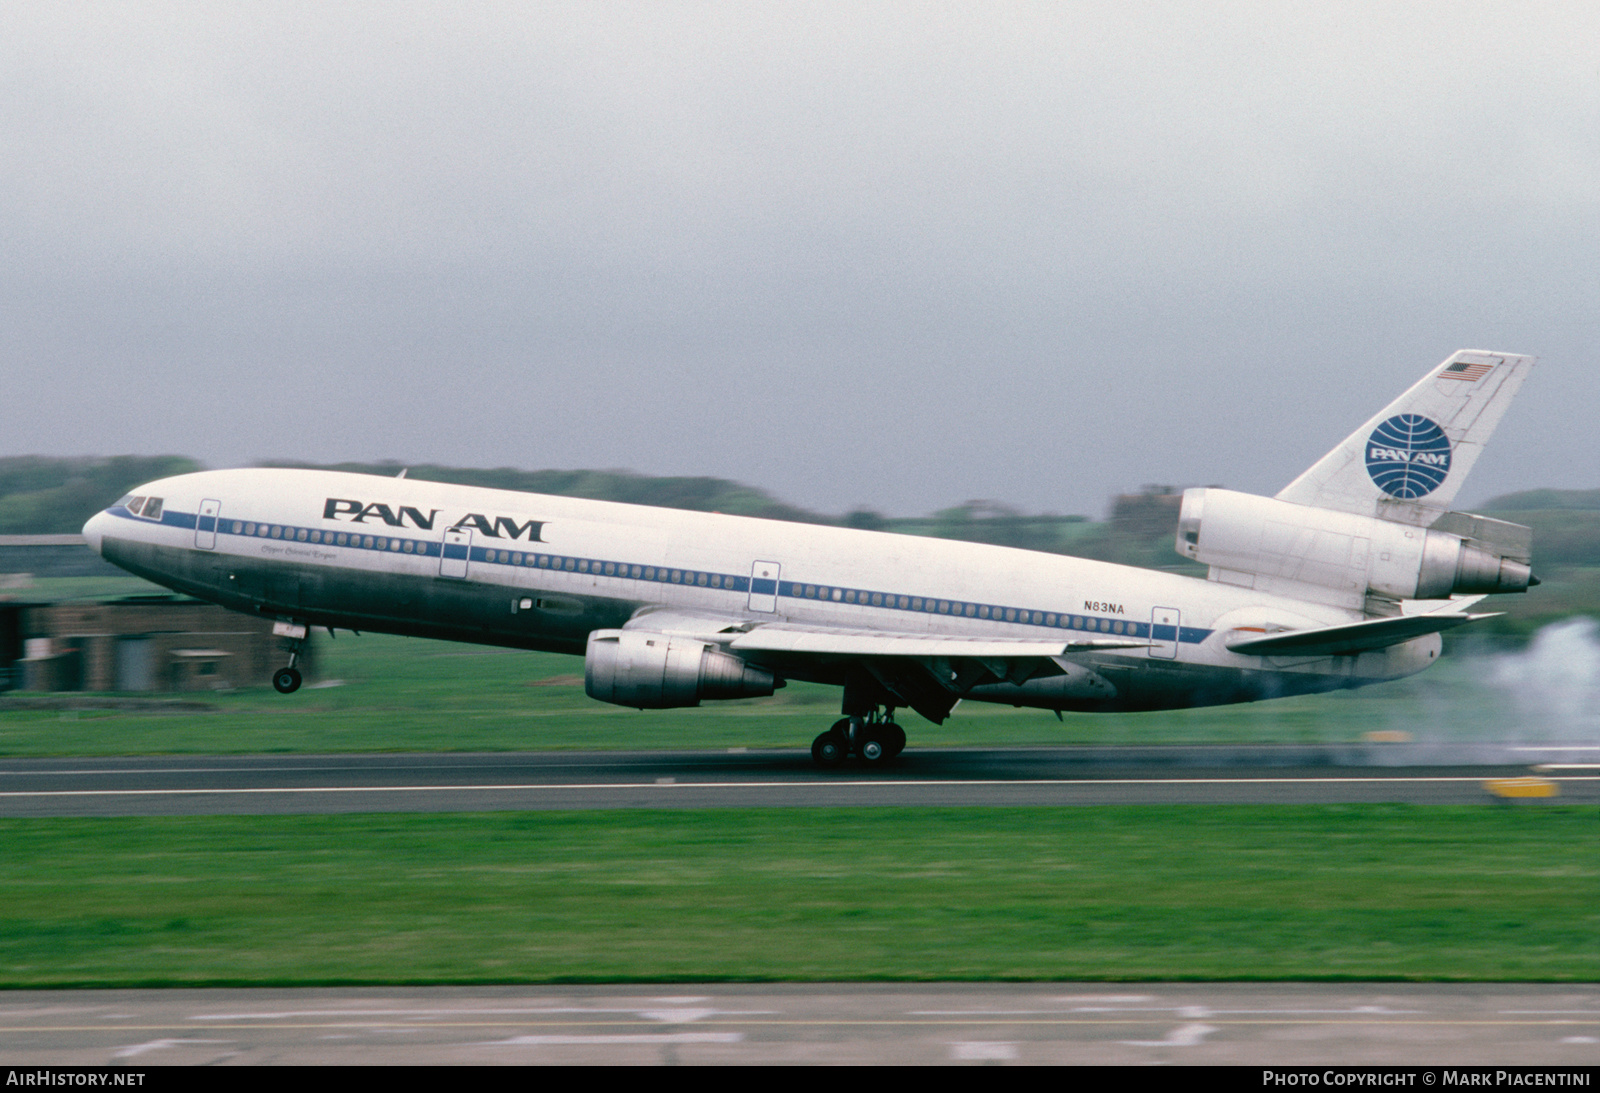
x,y
1408,456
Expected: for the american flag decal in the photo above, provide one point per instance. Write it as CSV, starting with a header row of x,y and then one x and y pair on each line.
x,y
1465,370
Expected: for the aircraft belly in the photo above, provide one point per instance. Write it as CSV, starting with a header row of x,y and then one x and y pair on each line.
x,y
1134,685
413,605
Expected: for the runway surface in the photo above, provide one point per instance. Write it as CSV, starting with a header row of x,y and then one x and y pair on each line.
x,y
437,782
1303,1024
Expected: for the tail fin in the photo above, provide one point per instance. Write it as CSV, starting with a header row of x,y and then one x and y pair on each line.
x,y
1408,462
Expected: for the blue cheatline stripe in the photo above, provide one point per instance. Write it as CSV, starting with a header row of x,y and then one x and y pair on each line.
x,y
727,582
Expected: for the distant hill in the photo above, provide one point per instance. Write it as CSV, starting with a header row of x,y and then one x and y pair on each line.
x,y
696,494
40,495
1528,500
1565,523
43,495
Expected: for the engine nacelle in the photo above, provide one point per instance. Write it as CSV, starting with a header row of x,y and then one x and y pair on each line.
x,y
1242,537
652,671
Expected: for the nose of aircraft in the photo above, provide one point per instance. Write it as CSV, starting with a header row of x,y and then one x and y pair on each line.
x,y
95,530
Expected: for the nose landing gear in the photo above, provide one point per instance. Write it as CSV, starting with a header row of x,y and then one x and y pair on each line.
x,y
287,680
874,737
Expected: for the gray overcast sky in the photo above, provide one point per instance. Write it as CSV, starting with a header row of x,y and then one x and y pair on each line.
x,y
898,255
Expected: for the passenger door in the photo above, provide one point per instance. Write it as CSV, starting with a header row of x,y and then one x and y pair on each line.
x,y
1164,625
764,586
205,525
456,552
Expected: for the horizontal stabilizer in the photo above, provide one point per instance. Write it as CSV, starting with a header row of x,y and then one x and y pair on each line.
x,y
1354,637
780,638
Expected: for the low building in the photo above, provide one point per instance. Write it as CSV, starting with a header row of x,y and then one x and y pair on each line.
x,y
52,556
137,643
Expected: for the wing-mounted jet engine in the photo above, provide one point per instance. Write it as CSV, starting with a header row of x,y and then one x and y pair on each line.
x,y
651,670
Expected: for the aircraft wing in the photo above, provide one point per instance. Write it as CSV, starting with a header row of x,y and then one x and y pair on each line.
x,y
927,672
1353,637
828,641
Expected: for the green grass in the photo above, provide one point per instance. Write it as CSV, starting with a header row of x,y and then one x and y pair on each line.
x,y
402,694
1228,892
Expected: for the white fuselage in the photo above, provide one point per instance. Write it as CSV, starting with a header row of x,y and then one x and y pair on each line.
x,y
541,572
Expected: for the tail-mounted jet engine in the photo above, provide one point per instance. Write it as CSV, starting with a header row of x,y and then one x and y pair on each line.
x,y
653,671
1262,542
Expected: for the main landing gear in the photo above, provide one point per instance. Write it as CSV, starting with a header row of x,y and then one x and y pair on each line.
x,y
873,736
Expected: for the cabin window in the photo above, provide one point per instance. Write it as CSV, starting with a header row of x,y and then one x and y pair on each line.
x,y
301,535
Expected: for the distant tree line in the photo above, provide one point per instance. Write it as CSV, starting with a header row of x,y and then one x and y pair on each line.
x,y
46,496
40,495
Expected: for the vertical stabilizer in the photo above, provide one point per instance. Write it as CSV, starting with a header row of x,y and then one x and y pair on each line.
x,y
1408,462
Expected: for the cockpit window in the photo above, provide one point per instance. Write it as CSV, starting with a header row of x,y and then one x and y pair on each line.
x,y
134,504
152,509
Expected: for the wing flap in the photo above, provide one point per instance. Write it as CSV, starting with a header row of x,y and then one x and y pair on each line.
x,y
780,638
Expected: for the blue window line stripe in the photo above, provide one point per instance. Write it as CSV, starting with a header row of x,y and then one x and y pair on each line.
x,y
595,567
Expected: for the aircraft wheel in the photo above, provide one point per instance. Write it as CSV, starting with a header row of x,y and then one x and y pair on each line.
x,y
286,680
830,748
882,742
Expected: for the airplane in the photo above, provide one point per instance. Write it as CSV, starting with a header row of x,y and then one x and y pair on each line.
x,y
1346,577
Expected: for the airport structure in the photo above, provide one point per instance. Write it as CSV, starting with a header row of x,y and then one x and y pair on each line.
x,y
160,642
